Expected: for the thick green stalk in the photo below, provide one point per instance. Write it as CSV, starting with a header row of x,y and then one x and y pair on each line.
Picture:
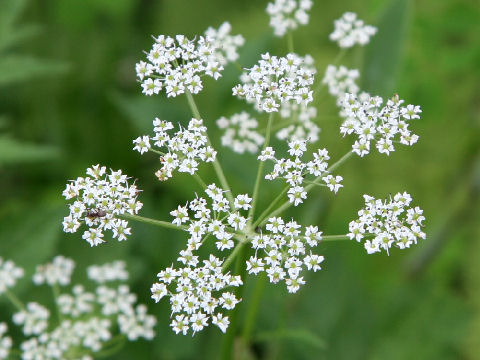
x,y
252,312
216,165
261,165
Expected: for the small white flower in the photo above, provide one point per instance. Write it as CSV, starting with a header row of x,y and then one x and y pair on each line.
x,y
142,144
332,182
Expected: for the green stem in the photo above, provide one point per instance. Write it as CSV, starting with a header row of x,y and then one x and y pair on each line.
x,y
200,181
216,164
269,208
150,221
232,256
252,311
56,294
334,238
335,62
287,204
116,344
261,165
15,300
157,152
229,338
290,41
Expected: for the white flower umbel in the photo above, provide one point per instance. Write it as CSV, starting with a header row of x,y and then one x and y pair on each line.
x,y
215,217
303,128
341,80
114,271
177,64
198,293
294,170
283,251
58,272
99,199
349,31
388,223
384,125
34,319
275,81
225,45
240,133
86,321
5,342
9,274
184,150
286,15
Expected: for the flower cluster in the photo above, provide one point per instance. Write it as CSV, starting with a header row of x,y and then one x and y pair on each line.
x,y
350,31
303,127
240,133
99,199
218,218
224,45
283,252
57,272
185,149
88,320
197,293
177,65
341,80
286,15
293,170
9,274
108,272
371,122
275,81
388,223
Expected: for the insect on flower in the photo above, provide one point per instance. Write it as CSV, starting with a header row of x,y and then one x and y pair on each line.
x,y
95,213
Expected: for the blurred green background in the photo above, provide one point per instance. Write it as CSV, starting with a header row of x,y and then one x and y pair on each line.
x,y
69,99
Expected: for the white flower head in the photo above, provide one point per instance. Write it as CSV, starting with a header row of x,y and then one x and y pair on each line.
x,y
388,223
225,45
59,271
9,274
275,80
349,31
99,199
240,133
372,121
286,15
177,64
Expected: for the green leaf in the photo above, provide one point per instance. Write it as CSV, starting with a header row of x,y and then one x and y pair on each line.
x,y
10,10
297,335
15,68
11,38
13,151
30,234
384,53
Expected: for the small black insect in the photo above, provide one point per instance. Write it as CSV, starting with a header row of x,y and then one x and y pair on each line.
x,y
95,213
